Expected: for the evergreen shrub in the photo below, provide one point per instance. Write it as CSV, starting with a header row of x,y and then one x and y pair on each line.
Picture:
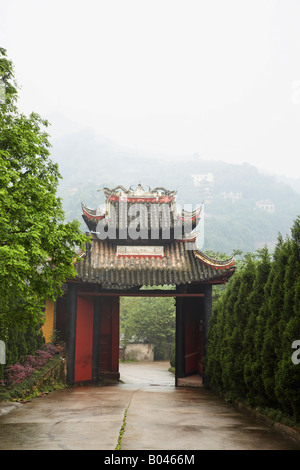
x,y
253,326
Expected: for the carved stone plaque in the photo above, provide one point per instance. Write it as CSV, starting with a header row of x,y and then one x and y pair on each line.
x,y
153,251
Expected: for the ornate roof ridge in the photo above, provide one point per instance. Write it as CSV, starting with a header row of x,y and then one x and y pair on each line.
x,y
195,214
139,192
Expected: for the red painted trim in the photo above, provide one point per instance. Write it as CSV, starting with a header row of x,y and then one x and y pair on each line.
x,y
195,217
89,216
186,240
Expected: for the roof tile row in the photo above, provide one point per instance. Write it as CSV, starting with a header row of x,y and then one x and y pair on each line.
x,y
100,264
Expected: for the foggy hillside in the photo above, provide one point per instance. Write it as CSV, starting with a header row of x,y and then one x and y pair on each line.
x,y
244,209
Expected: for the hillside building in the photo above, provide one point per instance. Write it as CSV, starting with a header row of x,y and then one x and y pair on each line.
x,y
232,196
204,186
266,205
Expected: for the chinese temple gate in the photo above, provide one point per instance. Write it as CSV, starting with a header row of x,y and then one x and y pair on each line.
x,y
139,239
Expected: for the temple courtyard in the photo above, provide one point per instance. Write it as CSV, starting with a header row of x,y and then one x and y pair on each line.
x,y
154,414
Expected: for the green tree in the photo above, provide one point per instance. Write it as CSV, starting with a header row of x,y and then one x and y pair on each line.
x,y
236,318
241,312
149,320
287,377
273,309
212,361
227,347
254,331
37,247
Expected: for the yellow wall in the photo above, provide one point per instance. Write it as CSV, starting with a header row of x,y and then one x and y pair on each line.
x,y
48,326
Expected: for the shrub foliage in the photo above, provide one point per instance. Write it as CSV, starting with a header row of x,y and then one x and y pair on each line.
x,y
254,323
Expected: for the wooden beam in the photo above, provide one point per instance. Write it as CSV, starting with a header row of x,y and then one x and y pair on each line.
x,y
138,294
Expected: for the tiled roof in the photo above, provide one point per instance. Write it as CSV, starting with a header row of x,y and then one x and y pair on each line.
x,y
164,261
103,264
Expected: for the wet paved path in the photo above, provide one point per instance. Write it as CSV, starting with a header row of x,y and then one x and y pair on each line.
x,y
159,417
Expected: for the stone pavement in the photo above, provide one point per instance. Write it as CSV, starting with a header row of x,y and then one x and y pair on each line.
x,y
156,416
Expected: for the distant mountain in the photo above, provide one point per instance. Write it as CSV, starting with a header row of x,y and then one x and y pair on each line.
x,y
243,208
293,182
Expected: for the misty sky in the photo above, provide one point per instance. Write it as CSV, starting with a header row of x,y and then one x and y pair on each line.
x,y
217,78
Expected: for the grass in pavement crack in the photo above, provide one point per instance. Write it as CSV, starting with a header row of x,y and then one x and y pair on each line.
x,y
122,429
118,447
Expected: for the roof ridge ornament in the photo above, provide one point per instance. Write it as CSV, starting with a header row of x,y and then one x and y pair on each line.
x,y
138,192
214,262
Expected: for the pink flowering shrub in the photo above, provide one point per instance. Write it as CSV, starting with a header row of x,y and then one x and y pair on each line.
x,y
18,372
31,361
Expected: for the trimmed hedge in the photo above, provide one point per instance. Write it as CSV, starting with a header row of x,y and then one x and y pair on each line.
x,y
254,323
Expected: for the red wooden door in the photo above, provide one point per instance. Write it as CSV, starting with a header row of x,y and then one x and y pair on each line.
x,y
84,340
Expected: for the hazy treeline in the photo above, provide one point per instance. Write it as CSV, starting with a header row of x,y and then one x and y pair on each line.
x,y
87,165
